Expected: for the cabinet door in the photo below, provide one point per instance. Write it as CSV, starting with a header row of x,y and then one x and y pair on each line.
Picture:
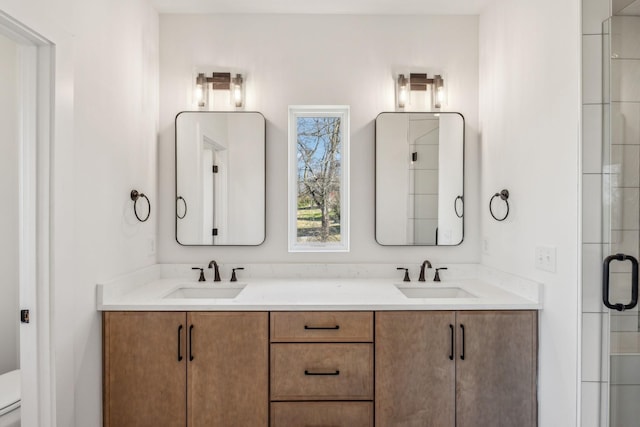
x,y
496,369
415,373
144,378
228,369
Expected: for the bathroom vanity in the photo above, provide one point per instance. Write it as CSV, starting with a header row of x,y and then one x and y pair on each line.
x,y
333,351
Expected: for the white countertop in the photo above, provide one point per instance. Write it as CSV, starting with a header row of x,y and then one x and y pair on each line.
x,y
145,291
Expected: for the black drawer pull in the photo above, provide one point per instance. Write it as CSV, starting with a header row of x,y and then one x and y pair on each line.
x,y
462,352
179,343
336,372
322,327
452,342
190,342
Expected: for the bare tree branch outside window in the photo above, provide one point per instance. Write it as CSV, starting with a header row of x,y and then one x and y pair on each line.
x,y
319,171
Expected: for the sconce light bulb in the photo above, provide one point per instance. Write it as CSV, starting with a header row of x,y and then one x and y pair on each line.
x,y
201,86
440,95
237,90
199,96
403,84
402,97
237,95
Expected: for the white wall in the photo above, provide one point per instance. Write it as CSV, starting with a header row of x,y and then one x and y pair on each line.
x,y
9,206
317,59
529,103
105,145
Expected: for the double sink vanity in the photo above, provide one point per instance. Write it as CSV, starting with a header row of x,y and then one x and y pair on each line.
x,y
310,345
353,347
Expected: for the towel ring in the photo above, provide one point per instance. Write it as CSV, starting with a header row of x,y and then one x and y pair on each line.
x,y
455,206
135,195
504,195
185,207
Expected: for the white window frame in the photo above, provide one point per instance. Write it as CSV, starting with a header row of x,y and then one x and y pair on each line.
x,y
341,111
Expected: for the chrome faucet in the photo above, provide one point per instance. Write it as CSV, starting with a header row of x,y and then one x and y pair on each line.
x,y
426,264
216,272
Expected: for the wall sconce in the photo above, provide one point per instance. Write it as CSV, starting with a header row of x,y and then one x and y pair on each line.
x,y
219,81
420,82
402,91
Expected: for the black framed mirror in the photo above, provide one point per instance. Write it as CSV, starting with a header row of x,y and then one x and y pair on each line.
x,y
419,179
220,178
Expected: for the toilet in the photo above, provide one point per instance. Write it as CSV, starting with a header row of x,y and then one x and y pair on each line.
x,y
10,399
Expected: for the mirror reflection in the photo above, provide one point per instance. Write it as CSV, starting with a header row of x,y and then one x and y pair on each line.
x,y
220,178
419,178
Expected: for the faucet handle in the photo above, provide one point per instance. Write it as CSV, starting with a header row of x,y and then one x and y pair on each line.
x,y
406,274
436,278
233,274
201,279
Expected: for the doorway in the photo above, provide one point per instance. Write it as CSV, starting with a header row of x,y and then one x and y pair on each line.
x,y
26,180
9,209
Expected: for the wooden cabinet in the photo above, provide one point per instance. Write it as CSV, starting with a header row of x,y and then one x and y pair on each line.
x,y
322,371
415,376
334,414
292,369
321,366
185,369
322,326
456,368
227,375
496,382
144,369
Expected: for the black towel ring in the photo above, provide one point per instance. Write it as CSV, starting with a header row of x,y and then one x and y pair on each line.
x,y
455,206
135,195
185,207
504,195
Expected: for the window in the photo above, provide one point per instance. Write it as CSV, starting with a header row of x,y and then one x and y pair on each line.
x,y
318,179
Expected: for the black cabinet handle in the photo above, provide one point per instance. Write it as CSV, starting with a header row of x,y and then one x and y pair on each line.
x,y
452,342
336,372
462,352
180,343
190,342
322,327
634,282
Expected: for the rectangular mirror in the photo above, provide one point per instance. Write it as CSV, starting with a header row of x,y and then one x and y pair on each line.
x,y
220,178
419,179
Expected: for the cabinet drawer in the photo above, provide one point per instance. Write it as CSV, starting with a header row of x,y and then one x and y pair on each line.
x,y
321,414
322,326
321,371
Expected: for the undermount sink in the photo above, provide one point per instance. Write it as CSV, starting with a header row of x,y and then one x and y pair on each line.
x,y
205,293
449,292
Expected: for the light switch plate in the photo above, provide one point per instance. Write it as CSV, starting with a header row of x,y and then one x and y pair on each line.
x,y
546,258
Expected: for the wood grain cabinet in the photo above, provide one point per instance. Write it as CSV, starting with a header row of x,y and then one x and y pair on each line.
x,y
298,369
185,369
464,369
322,369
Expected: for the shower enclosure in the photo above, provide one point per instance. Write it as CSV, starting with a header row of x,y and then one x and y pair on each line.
x,y
621,218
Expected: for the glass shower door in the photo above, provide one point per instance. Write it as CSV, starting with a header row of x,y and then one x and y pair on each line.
x,y
621,217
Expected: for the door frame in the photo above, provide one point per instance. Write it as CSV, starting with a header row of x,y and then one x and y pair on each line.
x,y
36,59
